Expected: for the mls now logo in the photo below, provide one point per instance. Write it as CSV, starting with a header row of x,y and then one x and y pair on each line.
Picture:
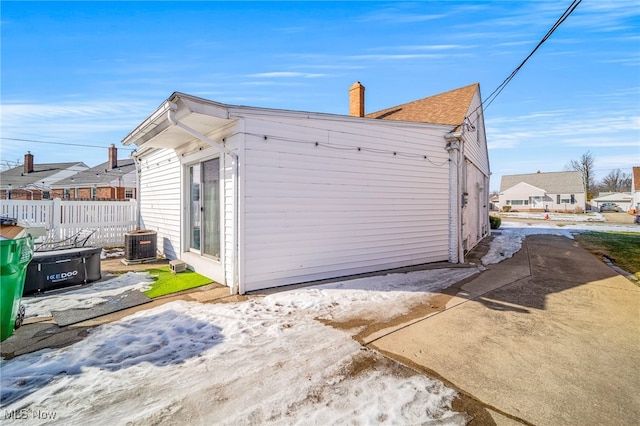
x,y
62,276
25,414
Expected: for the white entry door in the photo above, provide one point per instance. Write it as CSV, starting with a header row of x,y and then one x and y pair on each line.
x,y
535,202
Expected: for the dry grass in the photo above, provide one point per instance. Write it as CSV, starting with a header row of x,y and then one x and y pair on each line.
x,y
623,248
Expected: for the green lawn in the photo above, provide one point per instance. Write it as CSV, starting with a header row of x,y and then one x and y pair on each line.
x,y
167,282
623,248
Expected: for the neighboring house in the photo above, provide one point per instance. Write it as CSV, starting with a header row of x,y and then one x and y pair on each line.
x,y
635,188
553,192
32,181
256,198
495,202
624,200
113,180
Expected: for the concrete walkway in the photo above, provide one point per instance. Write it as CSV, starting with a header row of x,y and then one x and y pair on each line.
x,y
548,337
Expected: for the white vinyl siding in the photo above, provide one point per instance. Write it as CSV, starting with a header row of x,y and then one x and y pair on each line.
x,y
314,212
160,199
475,214
475,145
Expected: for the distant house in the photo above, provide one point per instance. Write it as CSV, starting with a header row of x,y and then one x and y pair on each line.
x,y
553,192
256,198
112,180
635,188
495,202
624,200
33,181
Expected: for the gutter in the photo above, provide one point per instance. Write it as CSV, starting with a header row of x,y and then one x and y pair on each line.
x,y
236,288
136,161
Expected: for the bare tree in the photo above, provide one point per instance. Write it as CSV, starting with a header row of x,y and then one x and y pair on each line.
x,y
616,181
585,166
7,164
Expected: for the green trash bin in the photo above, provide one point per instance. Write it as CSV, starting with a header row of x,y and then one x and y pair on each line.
x,y
14,258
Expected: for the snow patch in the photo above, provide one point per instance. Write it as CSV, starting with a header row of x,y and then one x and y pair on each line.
x,y
85,296
265,360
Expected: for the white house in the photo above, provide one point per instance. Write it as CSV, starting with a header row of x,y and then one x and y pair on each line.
x,y
257,198
554,191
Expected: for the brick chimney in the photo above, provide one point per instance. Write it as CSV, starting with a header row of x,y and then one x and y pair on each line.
x,y
28,162
356,100
113,157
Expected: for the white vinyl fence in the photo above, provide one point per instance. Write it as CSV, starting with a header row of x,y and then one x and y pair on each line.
x,y
63,219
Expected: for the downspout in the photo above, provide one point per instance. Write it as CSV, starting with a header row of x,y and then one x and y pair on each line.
x,y
236,288
136,161
456,253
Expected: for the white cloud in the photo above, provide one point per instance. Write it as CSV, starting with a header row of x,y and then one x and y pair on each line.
x,y
625,162
399,56
395,16
570,128
98,124
436,47
287,74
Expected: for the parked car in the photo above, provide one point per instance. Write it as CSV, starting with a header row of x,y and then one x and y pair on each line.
x,y
637,221
609,207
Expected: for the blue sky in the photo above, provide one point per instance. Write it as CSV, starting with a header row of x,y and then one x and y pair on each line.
x,y
87,73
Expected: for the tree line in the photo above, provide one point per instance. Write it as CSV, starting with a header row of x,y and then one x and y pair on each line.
x,y
615,181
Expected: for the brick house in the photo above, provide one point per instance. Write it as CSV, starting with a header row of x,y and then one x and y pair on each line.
x,y
32,181
112,180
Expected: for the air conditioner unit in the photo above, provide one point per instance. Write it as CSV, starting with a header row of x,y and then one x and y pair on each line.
x,y
140,245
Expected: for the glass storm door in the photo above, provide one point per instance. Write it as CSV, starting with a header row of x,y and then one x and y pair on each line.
x,y
535,202
204,220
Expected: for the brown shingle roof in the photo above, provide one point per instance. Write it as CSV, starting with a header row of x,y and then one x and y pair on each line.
x,y
445,108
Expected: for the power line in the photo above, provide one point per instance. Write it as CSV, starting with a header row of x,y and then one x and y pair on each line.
x,y
489,100
59,143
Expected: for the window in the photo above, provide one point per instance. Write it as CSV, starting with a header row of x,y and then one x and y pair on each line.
x,y
128,193
66,193
558,199
94,192
517,202
204,202
46,195
566,200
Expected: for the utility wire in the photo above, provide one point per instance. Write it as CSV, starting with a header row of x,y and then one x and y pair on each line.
x,y
58,143
489,100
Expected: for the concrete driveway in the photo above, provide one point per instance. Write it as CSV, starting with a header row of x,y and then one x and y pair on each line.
x,y
548,337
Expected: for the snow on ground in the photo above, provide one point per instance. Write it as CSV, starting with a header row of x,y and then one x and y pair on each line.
x,y
264,360
560,217
508,239
112,253
85,296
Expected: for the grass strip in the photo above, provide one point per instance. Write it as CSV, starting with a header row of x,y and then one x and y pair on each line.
x,y
623,248
167,282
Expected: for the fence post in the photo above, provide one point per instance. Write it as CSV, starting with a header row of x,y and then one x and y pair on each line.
x,y
56,219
